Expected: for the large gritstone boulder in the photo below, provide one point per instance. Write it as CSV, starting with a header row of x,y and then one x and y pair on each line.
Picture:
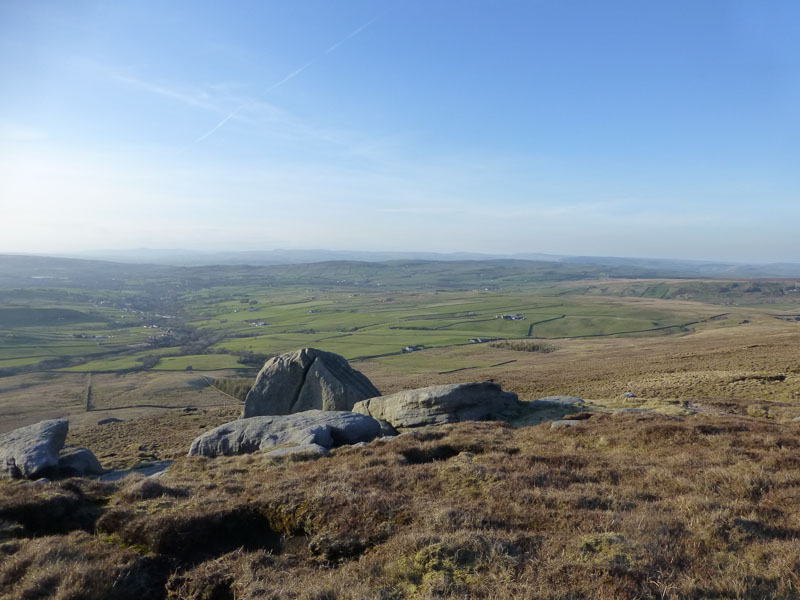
x,y
78,462
28,451
440,404
307,379
263,434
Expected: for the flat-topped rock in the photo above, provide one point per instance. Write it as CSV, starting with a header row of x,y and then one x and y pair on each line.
x,y
150,469
308,379
549,401
78,462
440,404
29,451
565,424
262,434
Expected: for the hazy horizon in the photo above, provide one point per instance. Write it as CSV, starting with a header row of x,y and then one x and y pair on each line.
x,y
161,255
624,129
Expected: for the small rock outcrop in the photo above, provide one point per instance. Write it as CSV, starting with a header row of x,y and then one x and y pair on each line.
x,y
440,404
263,434
30,451
78,462
550,401
308,379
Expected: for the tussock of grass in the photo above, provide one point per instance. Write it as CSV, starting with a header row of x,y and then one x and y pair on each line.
x,y
54,508
146,488
80,566
524,346
235,386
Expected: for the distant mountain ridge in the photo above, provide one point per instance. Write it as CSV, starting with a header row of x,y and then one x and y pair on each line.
x,y
454,271
199,258
665,266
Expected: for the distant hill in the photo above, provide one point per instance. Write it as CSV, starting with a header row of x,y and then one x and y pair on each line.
x,y
193,258
23,271
18,271
661,266
693,268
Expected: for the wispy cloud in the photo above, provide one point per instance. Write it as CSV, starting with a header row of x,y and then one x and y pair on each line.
x,y
287,78
198,100
214,99
218,125
352,34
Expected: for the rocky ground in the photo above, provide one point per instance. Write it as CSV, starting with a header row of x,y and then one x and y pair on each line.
x,y
620,506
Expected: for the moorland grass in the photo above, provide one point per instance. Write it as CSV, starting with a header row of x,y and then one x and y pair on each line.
x,y
628,506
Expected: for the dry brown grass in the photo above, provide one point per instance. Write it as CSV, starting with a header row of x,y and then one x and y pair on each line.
x,y
78,566
32,397
726,367
155,437
626,506
524,346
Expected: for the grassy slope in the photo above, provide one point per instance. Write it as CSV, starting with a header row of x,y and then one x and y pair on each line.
x,y
619,507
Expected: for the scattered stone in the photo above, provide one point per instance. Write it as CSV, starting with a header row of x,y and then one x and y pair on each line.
x,y
109,420
148,469
307,379
551,401
324,428
623,411
78,462
564,424
579,416
440,404
28,451
36,483
629,395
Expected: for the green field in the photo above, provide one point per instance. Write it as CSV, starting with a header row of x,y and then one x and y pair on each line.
x,y
234,317
356,324
197,362
364,325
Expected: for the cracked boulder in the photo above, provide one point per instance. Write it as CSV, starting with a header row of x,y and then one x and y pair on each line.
x,y
307,379
440,404
314,430
78,462
33,450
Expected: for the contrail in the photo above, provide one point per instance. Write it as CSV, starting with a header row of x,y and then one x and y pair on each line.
x,y
218,125
289,77
352,34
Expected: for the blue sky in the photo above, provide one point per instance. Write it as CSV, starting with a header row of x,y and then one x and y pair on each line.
x,y
658,128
